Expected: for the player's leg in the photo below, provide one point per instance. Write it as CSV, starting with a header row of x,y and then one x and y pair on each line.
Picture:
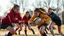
x,y
51,28
58,23
10,28
42,31
20,26
29,27
59,29
11,31
16,28
25,30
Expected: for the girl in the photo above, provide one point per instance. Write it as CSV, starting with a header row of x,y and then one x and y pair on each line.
x,y
50,25
26,18
12,17
55,19
45,20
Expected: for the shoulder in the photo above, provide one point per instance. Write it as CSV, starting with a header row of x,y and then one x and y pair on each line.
x,y
33,17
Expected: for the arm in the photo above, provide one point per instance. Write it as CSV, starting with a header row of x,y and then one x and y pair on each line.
x,y
41,22
20,19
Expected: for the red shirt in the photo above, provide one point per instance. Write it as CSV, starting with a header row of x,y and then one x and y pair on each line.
x,y
25,19
12,17
0,20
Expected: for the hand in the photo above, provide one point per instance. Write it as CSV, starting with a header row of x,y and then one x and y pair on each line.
x,y
31,22
21,22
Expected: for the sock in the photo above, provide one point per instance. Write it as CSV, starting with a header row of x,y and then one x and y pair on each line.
x,y
9,34
44,34
33,31
52,31
26,32
16,29
19,32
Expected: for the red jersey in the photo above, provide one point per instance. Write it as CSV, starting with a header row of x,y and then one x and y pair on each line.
x,y
12,17
26,19
0,20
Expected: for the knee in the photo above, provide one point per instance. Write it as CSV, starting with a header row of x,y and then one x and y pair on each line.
x,y
42,30
29,28
12,32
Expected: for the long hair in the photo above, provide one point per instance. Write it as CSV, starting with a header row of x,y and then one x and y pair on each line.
x,y
28,16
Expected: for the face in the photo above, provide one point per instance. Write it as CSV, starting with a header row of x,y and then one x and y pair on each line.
x,y
49,11
16,10
27,14
36,13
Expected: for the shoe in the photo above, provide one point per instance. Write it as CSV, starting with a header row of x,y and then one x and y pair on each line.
x,y
5,34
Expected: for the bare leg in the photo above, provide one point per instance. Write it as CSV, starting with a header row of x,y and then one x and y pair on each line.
x,y
11,31
59,29
31,29
25,30
42,31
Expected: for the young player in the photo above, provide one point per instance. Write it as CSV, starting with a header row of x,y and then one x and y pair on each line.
x,y
55,19
50,25
12,17
45,19
26,17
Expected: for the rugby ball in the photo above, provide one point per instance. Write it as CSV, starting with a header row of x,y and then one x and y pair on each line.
x,y
37,20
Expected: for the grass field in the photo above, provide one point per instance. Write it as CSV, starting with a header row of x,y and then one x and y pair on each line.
x,y
3,32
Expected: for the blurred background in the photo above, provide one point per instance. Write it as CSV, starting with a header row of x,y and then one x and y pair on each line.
x,y
30,5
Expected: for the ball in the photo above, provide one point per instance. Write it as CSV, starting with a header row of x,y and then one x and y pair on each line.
x,y
37,20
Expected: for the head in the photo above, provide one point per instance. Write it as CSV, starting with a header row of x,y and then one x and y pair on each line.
x,y
36,12
16,8
27,14
42,10
50,10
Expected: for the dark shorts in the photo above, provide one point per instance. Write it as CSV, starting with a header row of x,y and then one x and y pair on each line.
x,y
45,25
4,26
58,22
26,24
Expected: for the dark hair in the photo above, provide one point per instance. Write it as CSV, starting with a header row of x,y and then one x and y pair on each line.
x,y
50,9
15,6
29,14
37,10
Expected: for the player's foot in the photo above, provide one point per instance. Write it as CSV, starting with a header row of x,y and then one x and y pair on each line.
x,y
5,34
19,32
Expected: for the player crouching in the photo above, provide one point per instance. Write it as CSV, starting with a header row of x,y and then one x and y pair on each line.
x,y
43,21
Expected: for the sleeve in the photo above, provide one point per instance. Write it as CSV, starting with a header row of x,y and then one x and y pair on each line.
x,y
32,18
24,18
46,18
20,19
10,17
